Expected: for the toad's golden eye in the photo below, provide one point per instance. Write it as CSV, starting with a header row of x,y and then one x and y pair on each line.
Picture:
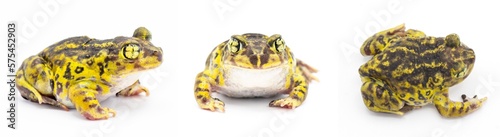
x,y
279,45
131,51
452,40
234,45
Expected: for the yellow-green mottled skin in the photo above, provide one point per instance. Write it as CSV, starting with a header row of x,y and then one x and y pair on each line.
x,y
250,52
409,70
79,71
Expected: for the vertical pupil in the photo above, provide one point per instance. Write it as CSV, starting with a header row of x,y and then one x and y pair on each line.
x,y
125,51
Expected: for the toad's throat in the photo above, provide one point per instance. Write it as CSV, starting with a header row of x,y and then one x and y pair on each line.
x,y
243,82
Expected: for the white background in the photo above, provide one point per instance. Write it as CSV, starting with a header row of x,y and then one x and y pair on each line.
x,y
324,34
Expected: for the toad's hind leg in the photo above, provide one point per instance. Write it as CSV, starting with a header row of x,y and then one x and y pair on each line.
x,y
33,79
377,43
378,97
448,108
133,90
307,71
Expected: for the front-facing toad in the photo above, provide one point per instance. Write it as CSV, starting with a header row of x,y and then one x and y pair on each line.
x,y
253,65
79,72
409,70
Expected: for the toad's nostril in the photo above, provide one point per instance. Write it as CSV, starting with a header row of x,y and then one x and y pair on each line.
x,y
158,55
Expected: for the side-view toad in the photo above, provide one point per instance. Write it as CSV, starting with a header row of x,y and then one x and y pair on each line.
x,y
79,72
409,70
253,65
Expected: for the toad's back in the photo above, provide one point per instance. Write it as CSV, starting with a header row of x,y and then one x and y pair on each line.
x,y
413,61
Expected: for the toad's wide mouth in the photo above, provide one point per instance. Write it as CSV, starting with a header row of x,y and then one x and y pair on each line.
x,y
256,69
256,66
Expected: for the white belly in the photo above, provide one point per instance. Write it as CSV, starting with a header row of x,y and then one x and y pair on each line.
x,y
121,83
241,82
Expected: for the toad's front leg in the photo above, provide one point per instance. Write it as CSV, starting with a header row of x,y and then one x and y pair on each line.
x,y
133,90
83,95
298,93
202,93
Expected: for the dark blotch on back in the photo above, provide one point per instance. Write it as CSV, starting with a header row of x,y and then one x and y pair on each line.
x,y
67,72
101,68
380,40
79,70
